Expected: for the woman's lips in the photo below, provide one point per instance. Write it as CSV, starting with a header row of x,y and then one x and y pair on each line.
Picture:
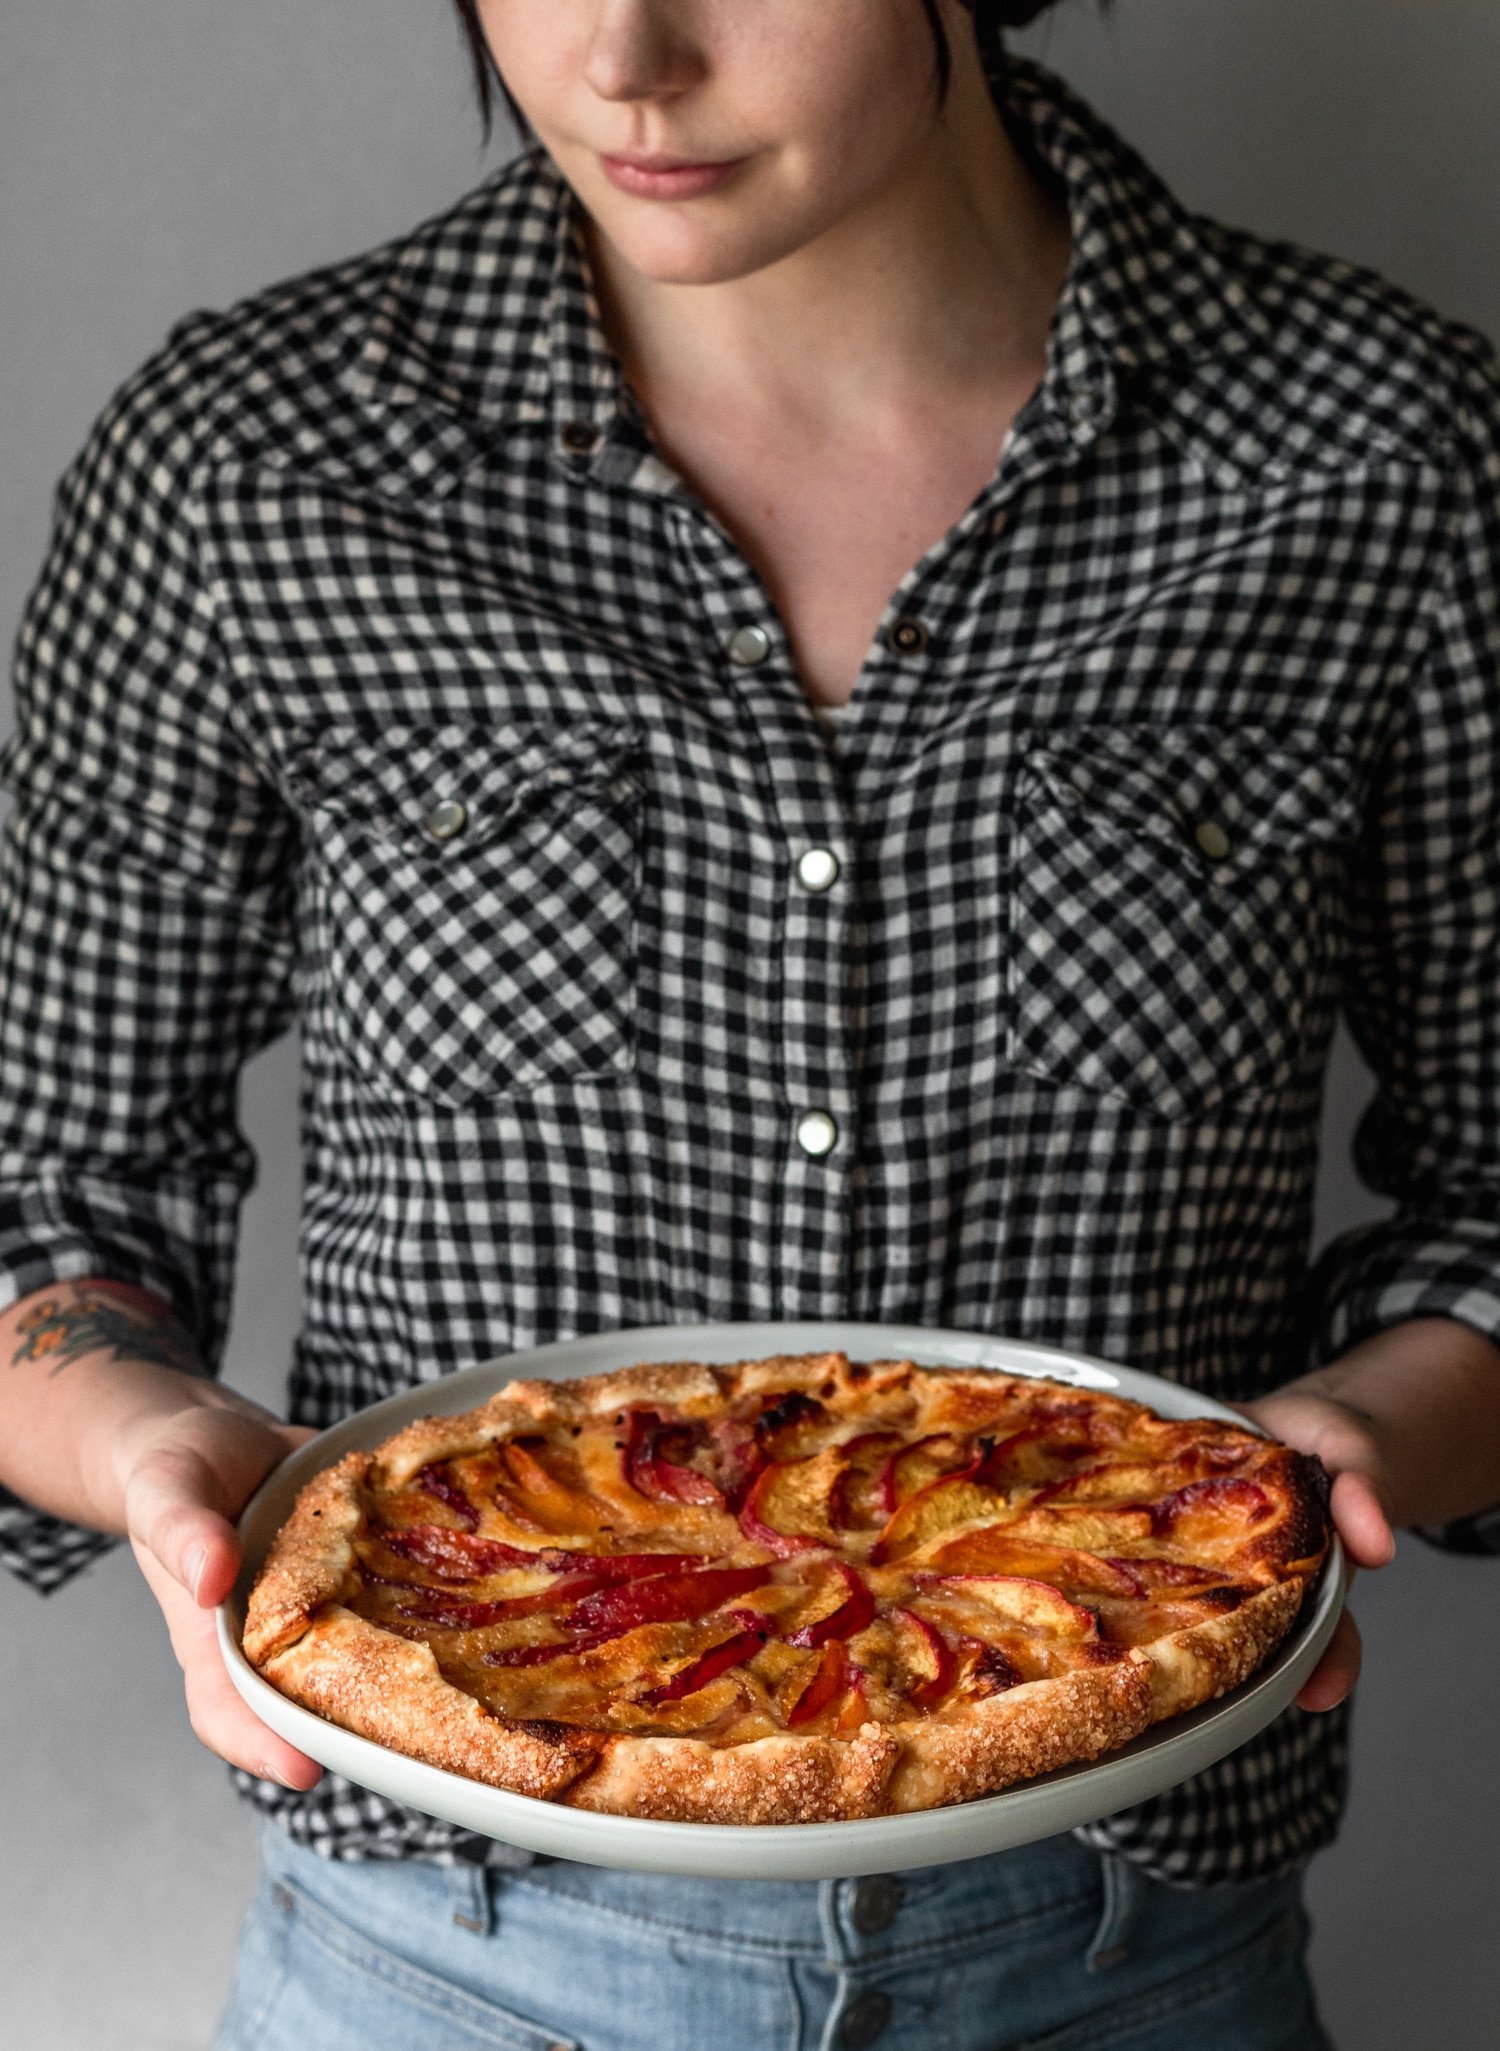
x,y
682,181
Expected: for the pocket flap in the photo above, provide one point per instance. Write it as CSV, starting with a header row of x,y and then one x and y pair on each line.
x,y
393,779
1230,798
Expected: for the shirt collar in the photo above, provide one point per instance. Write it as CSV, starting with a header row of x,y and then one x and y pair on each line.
x,y
489,311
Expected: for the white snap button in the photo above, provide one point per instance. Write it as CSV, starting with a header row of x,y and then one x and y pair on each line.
x,y
748,646
447,819
816,1133
1081,407
818,869
1212,840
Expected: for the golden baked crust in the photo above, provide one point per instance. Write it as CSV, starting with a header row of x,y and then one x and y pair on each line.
x,y
796,1589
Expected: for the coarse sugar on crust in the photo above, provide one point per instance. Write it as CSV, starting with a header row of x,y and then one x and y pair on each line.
x,y
312,1560
390,1690
1203,1661
782,1779
794,1589
1034,1729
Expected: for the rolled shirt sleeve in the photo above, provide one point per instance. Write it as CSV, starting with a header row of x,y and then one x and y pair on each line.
x,y
146,947
1422,992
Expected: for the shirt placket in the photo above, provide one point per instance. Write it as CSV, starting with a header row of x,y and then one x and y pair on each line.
x,y
815,1144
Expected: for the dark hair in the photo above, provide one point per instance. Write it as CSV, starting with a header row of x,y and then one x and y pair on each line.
x,y
990,17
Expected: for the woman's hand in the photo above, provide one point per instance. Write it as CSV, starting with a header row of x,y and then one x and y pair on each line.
x,y
186,1477
1407,1423
1347,1440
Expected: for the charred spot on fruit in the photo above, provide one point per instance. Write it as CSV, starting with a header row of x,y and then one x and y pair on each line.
x,y
550,1732
993,1673
1224,1599
794,1407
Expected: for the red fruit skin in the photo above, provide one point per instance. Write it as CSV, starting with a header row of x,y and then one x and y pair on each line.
x,y
534,1655
993,1673
664,1598
852,1615
664,1481
456,1555
890,1472
928,1693
460,1556
478,1616
754,1620
783,1543
1067,1438
435,1481
515,1512
827,1684
685,1484
717,1660
736,1458
838,1501
633,1566
1251,1499
879,1552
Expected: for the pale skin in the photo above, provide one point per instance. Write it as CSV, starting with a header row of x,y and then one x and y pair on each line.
x,y
831,348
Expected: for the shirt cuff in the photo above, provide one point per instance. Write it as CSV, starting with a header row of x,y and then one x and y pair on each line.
x,y
1383,1274
46,1551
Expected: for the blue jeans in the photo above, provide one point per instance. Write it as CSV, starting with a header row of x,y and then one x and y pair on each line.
x,y
1049,1946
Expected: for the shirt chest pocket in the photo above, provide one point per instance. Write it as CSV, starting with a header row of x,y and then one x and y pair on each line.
x,y
472,896
1174,910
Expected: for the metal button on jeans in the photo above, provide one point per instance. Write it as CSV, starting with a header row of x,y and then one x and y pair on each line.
x,y
864,2020
748,646
1212,840
877,1898
816,1133
447,819
908,636
818,869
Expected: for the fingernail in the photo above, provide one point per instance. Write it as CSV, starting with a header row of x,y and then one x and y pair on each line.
x,y
193,1565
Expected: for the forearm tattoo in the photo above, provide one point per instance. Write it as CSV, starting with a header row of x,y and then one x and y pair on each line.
x,y
60,1332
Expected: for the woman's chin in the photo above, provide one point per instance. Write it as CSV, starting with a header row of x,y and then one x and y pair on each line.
x,y
690,242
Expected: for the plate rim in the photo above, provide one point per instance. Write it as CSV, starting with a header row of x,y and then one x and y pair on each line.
x,y
792,1850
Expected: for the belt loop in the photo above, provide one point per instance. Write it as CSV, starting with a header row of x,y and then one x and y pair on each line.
x,y
469,1893
1122,1888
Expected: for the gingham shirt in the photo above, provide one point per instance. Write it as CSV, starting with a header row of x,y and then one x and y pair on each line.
x,y
384,677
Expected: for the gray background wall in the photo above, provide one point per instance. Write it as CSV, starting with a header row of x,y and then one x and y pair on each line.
x,y
165,154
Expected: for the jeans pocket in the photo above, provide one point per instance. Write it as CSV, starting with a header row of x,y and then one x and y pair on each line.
x,y
1208,1988
310,1981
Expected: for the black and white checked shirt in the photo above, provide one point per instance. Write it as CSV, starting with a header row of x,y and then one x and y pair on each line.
x,y
383,677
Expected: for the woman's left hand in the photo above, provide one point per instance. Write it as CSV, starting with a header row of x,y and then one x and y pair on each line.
x,y
1347,1440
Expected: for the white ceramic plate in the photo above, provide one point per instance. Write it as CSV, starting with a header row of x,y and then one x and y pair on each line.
x,y
795,1851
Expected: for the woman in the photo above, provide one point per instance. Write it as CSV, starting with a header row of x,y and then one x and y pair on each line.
x,y
439,651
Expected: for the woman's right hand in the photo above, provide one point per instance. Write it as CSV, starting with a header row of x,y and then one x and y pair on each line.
x,y
185,1478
